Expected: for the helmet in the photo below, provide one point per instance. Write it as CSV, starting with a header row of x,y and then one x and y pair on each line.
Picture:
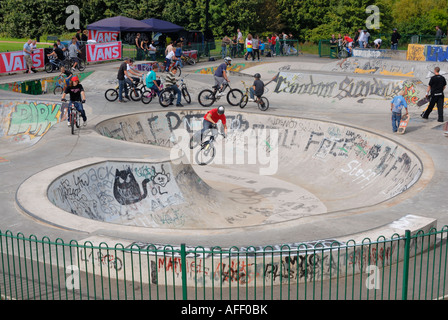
x,y
257,75
228,59
221,110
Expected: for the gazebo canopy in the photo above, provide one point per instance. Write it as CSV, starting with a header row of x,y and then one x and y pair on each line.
x,y
120,23
162,26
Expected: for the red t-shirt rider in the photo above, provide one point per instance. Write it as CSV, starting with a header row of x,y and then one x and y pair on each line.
x,y
212,117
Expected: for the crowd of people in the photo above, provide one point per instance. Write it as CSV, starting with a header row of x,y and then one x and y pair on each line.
x,y
255,46
363,39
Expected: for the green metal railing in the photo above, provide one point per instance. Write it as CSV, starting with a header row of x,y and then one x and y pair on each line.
x,y
410,266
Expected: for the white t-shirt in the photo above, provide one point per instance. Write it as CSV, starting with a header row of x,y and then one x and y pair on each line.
x,y
377,41
170,55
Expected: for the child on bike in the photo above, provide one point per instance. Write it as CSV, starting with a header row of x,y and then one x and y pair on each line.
x,y
151,81
171,83
257,88
68,75
77,98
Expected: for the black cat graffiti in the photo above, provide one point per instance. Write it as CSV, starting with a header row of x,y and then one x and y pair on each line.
x,y
126,188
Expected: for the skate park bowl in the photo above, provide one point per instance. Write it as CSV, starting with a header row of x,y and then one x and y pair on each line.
x,y
270,172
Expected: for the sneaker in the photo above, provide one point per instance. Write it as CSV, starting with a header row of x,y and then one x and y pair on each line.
x,y
220,94
84,123
179,105
68,124
251,100
122,101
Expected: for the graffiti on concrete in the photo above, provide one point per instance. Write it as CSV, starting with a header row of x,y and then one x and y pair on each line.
x,y
28,121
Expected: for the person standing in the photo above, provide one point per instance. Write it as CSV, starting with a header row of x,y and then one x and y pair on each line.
x,y
394,40
73,53
27,51
255,48
436,85
234,46
224,43
438,36
396,105
122,72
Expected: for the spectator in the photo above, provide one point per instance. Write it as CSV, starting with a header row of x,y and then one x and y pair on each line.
x,y
73,53
152,51
225,42
262,45
272,44
333,40
122,73
396,105
377,43
438,35
234,46
394,39
240,41
256,48
85,36
436,86
362,39
27,51
249,47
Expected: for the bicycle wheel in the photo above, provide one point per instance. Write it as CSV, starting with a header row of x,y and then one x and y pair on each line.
x,y
191,61
147,96
81,65
58,90
72,121
111,95
186,95
49,67
135,94
263,104
243,101
165,98
206,98
206,154
78,120
234,97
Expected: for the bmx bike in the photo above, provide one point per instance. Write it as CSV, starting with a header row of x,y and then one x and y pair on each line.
x,y
262,102
207,97
167,95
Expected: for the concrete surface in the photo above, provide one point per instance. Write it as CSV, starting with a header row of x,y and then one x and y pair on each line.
x,y
334,105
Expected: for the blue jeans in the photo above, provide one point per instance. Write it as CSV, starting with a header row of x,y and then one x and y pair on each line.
x,y
206,125
396,118
79,107
394,46
121,86
176,90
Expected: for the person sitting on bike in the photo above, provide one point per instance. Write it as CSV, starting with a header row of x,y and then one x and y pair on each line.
x,y
171,83
211,119
221,75
68,75
132,81
57,54
77,98
257,88
151,81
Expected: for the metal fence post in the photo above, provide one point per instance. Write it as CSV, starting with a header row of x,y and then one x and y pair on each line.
x,y
183,257
407,248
